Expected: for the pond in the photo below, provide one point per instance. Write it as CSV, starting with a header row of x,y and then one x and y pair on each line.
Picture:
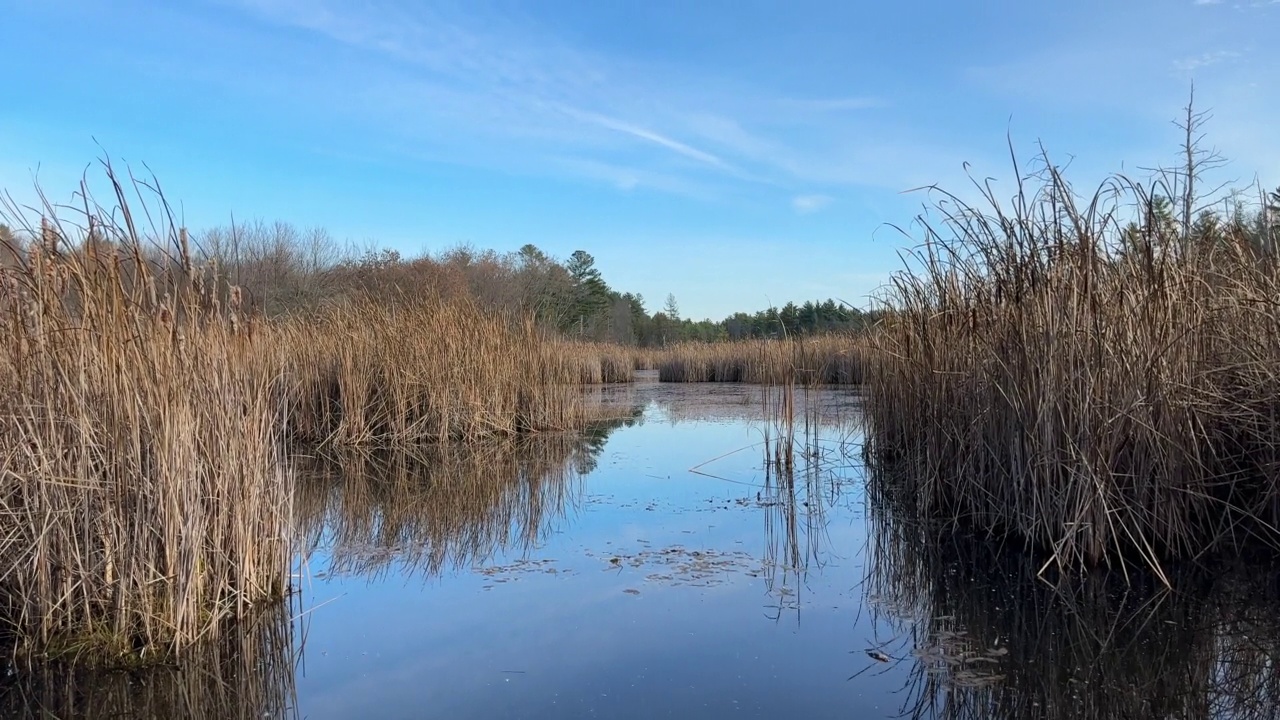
x,y
673,563
661,570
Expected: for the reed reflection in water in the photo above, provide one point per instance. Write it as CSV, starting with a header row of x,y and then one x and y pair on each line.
x,y
447,506
810,467
419,512
985,637
247,675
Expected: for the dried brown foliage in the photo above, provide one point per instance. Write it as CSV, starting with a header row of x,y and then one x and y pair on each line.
x,y
1088,374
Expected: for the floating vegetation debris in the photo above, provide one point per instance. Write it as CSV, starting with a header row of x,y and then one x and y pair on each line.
x,y
677,565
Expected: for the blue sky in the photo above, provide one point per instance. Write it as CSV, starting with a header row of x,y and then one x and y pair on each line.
x,y
735,153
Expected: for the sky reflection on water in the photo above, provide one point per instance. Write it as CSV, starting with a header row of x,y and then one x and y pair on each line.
x,y
661,567
611,613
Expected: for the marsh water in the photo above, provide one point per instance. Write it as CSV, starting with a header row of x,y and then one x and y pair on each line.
x,y
667,564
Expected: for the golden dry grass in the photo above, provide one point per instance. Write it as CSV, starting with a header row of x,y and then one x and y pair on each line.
x,y
598,363
645,358
144,419
142,492
824,360
1099,390
361,373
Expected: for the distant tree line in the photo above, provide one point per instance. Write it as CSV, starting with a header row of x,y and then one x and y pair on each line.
x,y
284,269
1160,232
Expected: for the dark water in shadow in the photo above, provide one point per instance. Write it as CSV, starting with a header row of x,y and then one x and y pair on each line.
x,y
249,676
661,566
980,633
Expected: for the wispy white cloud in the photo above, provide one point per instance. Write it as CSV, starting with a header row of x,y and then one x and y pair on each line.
x,y
1195,62
805,204
649,135
496,89
484,80
629,178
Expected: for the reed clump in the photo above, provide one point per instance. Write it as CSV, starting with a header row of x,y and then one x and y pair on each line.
x,y
147,420
429,370
1097,376
142,492
645,358
822,360
598,363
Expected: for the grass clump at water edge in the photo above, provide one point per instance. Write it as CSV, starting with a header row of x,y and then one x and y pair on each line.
x,y
364,374
141,484
1095,375
824,360
146,421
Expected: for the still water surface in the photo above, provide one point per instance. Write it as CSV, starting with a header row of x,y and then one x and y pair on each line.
x,y
664,566
665,573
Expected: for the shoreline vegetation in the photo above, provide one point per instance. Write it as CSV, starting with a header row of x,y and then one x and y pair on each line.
x,y
144,494
146,417
822,360
1092,377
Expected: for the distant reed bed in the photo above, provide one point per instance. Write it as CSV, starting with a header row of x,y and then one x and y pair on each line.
x,y
823,360
363,373
645,358
1098,376
598,363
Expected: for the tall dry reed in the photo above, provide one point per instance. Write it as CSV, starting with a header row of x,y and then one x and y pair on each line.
x,y
598,363
142,496
824,360
144,419
363,373
645,358
809,465
1091,375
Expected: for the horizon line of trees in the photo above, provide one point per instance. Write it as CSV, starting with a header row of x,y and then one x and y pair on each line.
x,y
283,269
286,270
